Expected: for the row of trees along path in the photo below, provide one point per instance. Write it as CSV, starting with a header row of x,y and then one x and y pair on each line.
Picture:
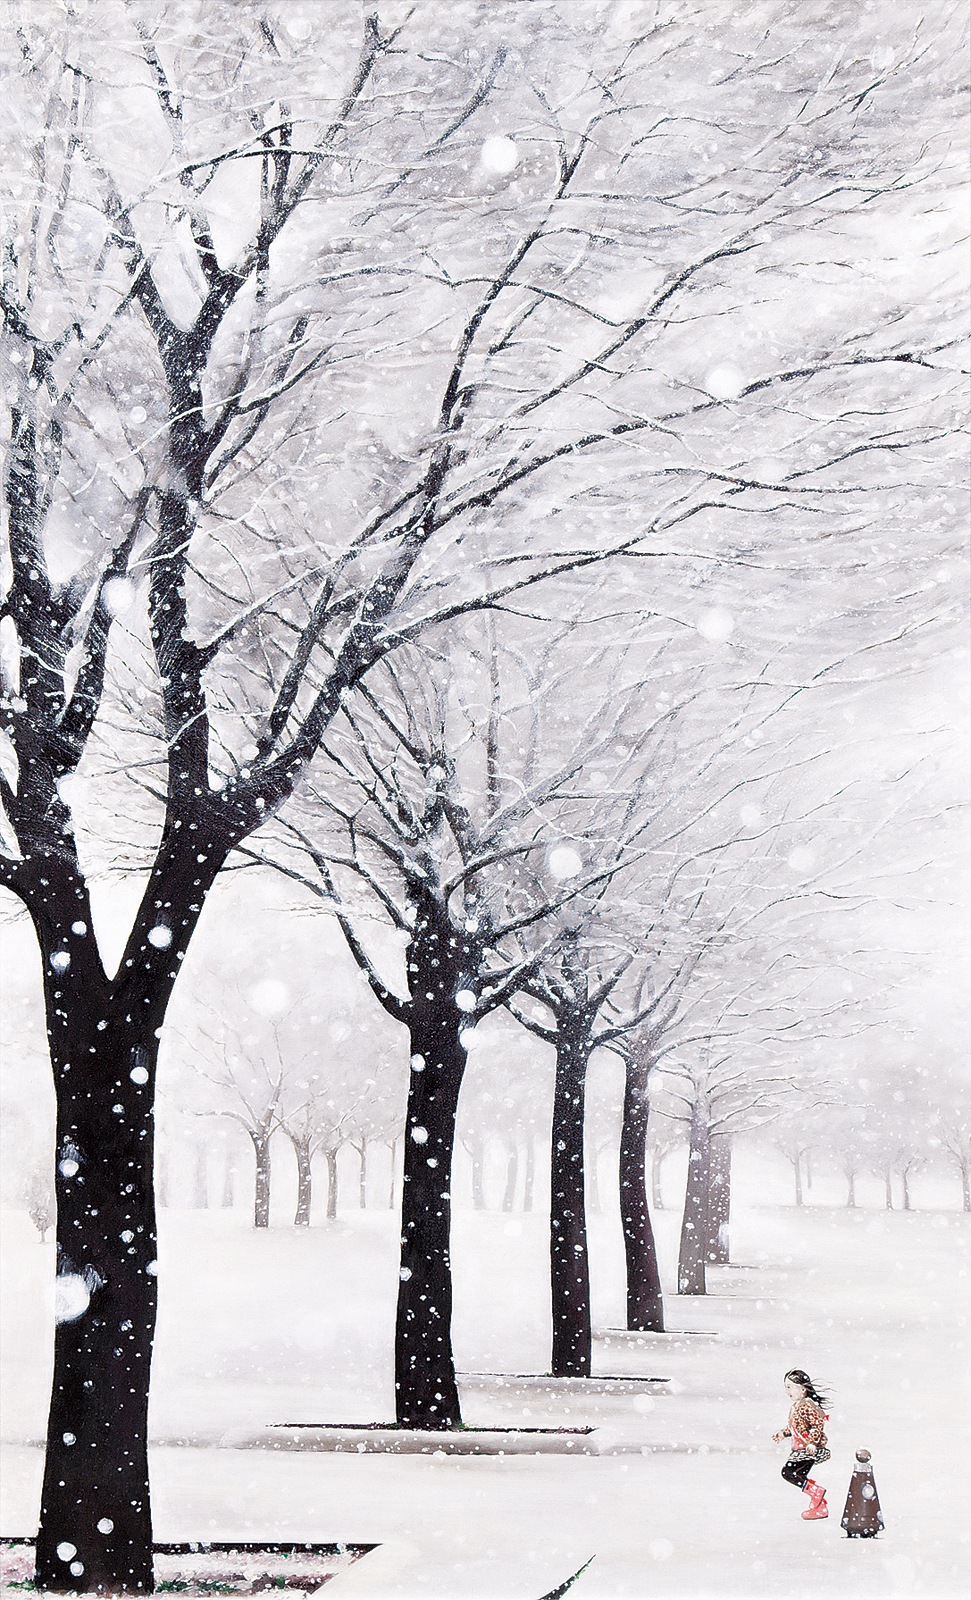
x,y
277,348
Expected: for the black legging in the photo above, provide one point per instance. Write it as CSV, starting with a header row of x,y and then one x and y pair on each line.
x,y
797,1472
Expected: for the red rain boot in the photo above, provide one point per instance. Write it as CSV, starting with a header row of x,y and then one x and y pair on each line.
x,y
817,1494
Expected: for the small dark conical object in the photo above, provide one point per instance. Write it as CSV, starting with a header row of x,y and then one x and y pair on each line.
x,y
861,1514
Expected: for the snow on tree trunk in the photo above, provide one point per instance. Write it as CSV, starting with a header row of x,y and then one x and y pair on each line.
x,y
851,1190
478,1187
200,1179
330,1157
719,1200
888,1190
227,1199
593,1179
261,1187
529,1177
797,1171
362,1176
393,1148
966,1188
694,1224
512,1175
425,1388
644,1304
569,1267
305,1183
657,1198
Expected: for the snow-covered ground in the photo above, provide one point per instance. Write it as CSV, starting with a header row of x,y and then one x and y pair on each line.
x,y
684,1497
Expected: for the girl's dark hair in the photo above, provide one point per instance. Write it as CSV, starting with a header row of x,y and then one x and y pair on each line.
x,y
804,1380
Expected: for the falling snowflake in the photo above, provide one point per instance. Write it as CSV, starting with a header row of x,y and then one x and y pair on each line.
x,y
118,596
269,997
499,155
71,1297
725,382
564,862
716,625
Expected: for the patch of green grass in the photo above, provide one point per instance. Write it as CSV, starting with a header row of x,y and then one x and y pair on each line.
x,y
180,1585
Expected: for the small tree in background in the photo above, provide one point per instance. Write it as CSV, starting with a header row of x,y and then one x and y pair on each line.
x,y
37,1194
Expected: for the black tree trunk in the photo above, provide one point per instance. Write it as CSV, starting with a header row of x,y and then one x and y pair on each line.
x,y
425,1388
644,1304
95,1529
694,1224
569,1268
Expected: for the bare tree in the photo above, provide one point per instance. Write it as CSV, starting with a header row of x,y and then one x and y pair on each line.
x,y
253,1085
184,308
955,1135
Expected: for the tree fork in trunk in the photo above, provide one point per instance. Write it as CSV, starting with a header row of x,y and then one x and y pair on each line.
x,y
426,1393
95,1532
645,1309
569,1266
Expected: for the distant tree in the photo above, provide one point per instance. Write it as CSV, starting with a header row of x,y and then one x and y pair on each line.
x,y
955,1135
38,1197
252,1086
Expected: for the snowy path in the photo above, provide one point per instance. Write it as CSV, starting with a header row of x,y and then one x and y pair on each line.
x,y
685,1498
